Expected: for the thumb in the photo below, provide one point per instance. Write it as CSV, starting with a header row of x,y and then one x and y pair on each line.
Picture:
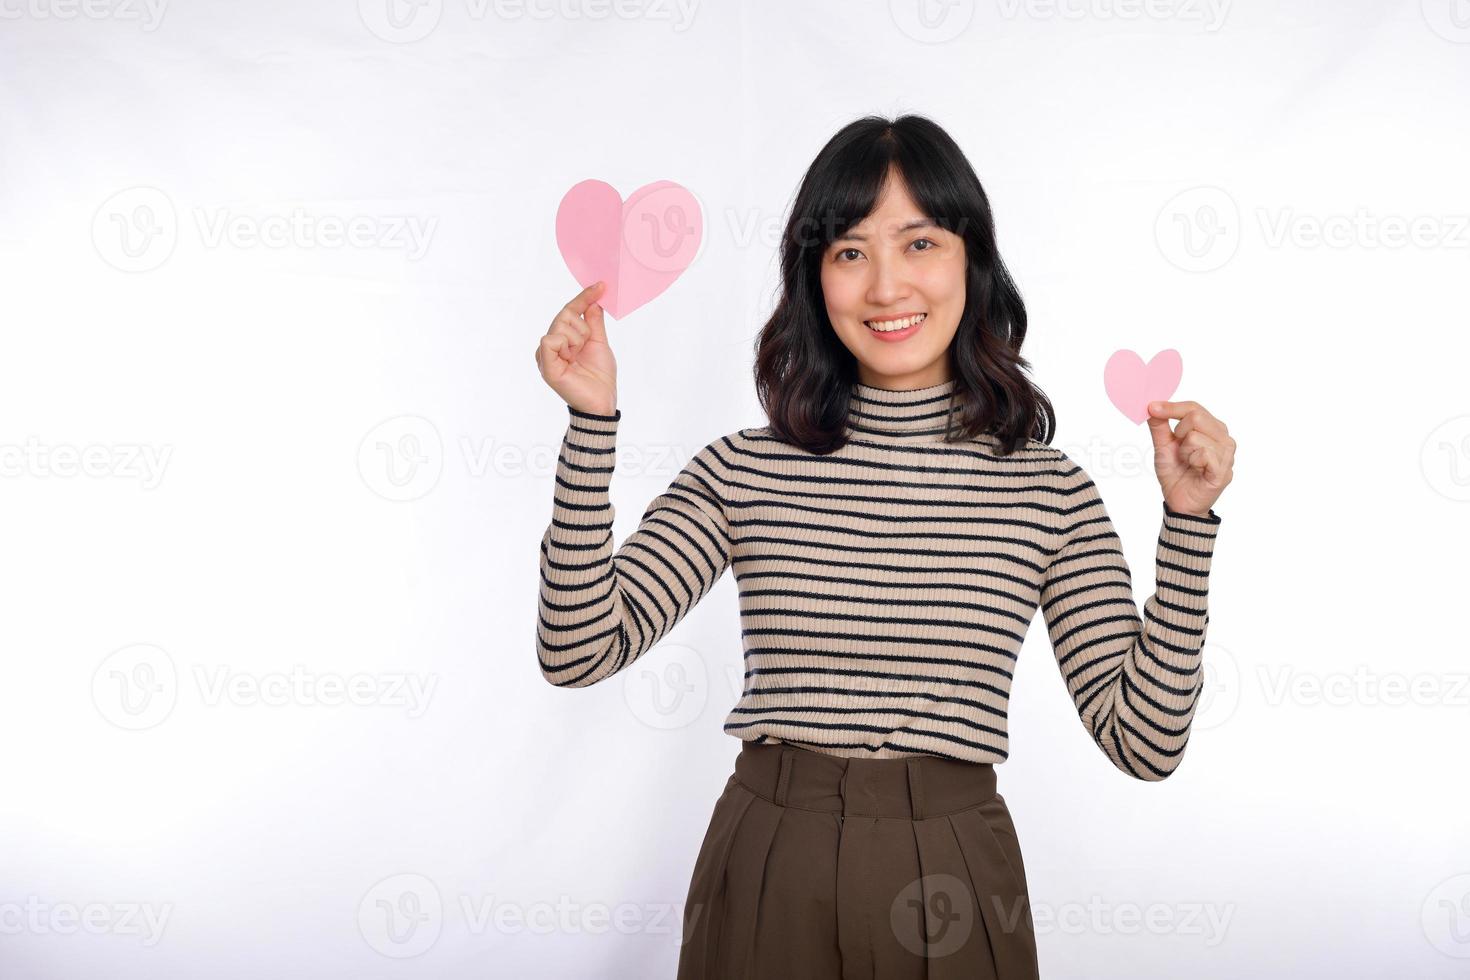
x,y
593,317
1158,427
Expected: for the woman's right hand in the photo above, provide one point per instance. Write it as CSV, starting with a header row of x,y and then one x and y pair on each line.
x,y
575,359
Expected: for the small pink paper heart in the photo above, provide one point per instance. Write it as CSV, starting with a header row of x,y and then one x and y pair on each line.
x,y
638,248
1131,384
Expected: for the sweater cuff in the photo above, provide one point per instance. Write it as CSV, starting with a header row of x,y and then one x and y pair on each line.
x,y
585,467
590,438
576,413
1186,547
1210,519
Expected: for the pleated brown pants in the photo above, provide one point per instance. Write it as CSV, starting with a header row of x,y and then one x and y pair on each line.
x,y
823,868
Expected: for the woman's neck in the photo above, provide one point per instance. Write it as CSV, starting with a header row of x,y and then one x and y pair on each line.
x,y
909,415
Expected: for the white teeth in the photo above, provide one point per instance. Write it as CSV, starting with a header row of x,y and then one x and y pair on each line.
x,y
888,326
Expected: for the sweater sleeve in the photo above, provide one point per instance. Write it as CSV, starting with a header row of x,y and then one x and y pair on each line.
x,y
600,610
1136,684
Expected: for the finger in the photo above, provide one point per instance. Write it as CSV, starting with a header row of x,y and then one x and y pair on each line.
x,y
596,328
1171,410
578,303
1195,460
573,326
553,348
572,334
1192,416
1158,428
1206,459
1214,459
1210,465
1197,440
1213,428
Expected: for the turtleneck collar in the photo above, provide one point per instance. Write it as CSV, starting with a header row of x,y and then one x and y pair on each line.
x,y
913,415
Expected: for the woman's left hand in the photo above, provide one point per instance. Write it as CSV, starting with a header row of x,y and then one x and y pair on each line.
x,y
1195,461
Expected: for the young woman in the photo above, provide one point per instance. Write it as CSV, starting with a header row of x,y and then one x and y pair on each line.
x,y
893,530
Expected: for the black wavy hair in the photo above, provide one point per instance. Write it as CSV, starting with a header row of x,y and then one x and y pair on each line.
x,y
803,372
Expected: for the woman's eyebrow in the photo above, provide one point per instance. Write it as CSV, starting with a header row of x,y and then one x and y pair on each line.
x,y
907,226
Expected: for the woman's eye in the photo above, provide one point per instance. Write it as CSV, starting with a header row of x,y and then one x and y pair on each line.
x,y
842,255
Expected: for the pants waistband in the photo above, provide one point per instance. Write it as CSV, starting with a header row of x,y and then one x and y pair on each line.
x,y
915,788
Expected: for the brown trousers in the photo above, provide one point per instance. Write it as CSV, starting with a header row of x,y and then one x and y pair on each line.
x,y
824,868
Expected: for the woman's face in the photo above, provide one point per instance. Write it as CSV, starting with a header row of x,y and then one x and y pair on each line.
x,y
894,263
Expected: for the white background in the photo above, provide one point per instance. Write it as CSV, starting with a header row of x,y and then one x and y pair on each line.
x,y
1230,181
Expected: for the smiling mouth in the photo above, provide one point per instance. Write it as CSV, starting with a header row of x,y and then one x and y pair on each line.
x,y
891,326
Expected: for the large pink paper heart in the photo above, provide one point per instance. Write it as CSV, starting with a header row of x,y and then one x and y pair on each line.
x,y
1132,384
639,247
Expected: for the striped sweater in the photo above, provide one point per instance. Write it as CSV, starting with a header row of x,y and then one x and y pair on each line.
x,y
885,588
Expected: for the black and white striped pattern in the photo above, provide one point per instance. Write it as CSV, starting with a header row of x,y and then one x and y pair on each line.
x,y
885,589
